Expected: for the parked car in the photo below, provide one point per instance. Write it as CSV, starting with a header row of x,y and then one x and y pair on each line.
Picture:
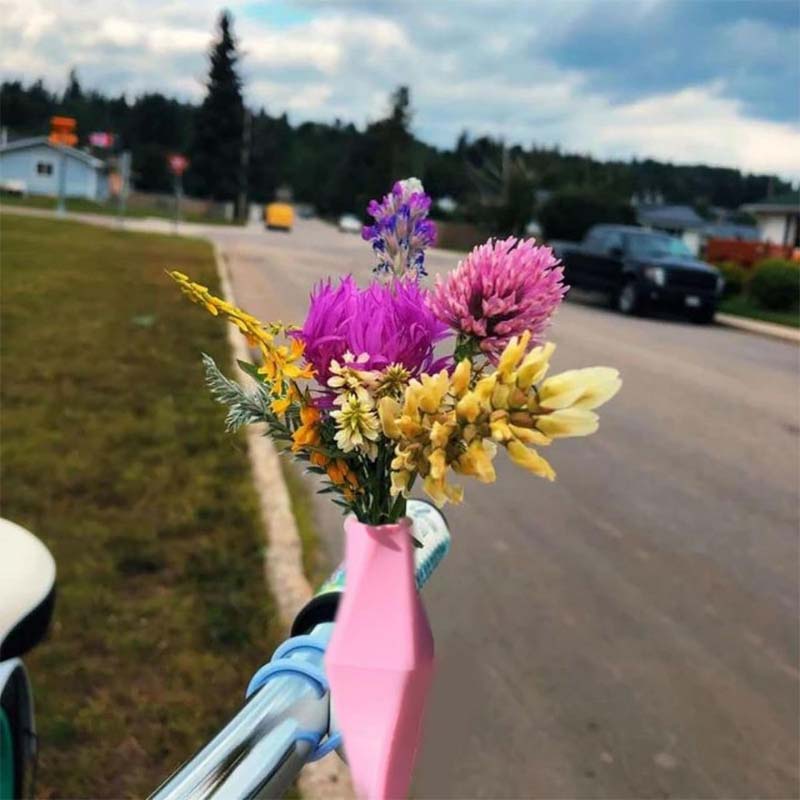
x,y
349,223
641,269
279,216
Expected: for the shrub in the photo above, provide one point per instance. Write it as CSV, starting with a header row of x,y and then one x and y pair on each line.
x,y
736,278
776,284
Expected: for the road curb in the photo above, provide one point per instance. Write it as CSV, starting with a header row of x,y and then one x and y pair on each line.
x,y
770,329
328,779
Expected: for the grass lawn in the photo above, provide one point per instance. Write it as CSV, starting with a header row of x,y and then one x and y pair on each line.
x,y
744,307
113,453
80,205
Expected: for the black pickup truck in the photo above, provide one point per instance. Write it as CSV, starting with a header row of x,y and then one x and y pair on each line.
x,y
640,269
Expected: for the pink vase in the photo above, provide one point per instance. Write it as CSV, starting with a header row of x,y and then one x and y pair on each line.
x,y
380,659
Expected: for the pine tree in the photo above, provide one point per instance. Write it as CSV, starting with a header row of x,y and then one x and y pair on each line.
x,y
216,150
73,93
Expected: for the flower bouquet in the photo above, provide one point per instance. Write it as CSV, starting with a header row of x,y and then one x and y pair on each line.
x,y
397,385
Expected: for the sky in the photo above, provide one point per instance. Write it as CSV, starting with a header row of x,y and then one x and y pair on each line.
x,y
688,81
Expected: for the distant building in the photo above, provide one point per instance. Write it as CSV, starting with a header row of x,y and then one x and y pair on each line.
x,y
730,230
778,219
688,225
681,221
33,166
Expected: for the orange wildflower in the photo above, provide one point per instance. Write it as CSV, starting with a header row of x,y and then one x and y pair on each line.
x,y
307,435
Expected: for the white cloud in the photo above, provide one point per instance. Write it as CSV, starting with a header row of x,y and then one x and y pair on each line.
x,y
696,125
479,70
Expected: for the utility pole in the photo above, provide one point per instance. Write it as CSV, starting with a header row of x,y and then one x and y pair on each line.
x,y
61,207
505,170
244,163
178,182
124,167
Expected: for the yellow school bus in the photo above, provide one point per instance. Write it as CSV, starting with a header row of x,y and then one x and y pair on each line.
x,y
279,215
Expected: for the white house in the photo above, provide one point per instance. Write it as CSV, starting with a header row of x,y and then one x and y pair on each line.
x,y
34,165
778,219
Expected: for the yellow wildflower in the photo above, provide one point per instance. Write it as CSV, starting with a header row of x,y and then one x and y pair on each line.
x,y
469,407
477,461
534,366
445,423
389,412
530,460
280,362
580,388
568,422
461,377
280,405
432,390
514,351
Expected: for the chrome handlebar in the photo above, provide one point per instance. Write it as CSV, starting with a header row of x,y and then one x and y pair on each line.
x,y
261,750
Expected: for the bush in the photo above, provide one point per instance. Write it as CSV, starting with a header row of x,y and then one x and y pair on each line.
x,y
776,284
736,278
568,215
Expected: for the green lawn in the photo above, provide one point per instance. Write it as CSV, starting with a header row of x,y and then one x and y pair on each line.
x,y
114,454
742,306
80,205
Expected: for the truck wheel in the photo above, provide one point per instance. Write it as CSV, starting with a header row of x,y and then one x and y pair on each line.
x,y
629,301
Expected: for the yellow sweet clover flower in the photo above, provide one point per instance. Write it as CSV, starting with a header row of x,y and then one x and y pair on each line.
x,y
456,422
281,362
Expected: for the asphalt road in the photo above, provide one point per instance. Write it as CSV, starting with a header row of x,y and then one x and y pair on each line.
x,y
630,631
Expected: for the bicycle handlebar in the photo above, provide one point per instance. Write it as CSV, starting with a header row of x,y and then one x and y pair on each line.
x,y
265,745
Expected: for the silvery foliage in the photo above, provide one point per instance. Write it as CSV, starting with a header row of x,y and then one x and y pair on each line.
x,y
244,407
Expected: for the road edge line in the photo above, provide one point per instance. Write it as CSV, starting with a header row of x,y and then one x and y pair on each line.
x,y
773,330
328,779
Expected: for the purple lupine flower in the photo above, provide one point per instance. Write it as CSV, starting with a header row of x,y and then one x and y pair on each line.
x,y
392,324
401,231
501,289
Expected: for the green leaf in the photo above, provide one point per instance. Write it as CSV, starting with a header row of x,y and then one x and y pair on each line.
x,y
250,369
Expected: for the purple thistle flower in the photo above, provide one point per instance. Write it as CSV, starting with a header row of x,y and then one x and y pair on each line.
x,y
501,289
401,231
390,323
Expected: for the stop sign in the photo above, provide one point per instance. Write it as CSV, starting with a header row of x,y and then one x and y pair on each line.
x,y
177,163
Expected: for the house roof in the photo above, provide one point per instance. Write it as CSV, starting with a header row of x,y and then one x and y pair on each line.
x,y
786,203
670,217
38,141
730,230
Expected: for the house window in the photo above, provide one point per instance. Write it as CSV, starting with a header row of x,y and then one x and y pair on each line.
x,y
44,168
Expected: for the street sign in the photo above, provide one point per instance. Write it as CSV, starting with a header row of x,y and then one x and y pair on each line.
x,y
102,139
62,131
177,163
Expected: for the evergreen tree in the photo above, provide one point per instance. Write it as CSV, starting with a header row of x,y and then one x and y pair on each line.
x,y
216,150
73,93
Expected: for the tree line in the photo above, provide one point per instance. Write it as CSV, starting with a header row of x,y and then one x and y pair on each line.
x,y
337,167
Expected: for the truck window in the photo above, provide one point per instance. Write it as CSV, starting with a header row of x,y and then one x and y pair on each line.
x,y
594,240
613,240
